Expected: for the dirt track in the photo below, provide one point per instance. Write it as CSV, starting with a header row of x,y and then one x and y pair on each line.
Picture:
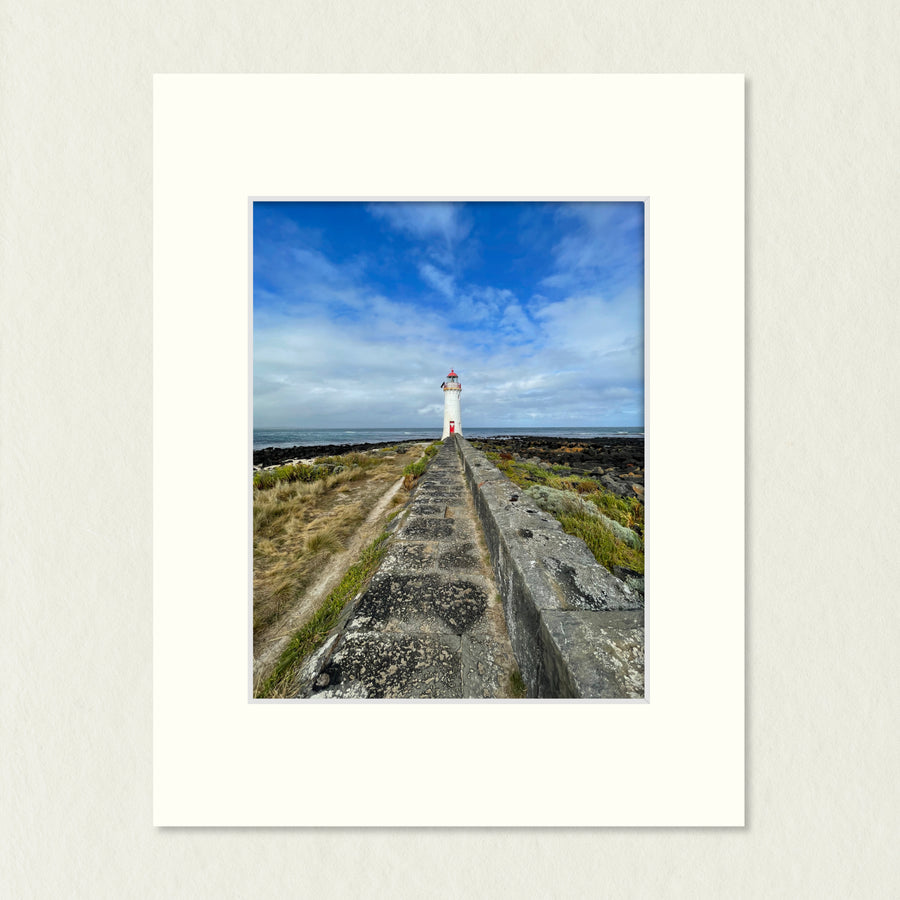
x,y
355,511
269,651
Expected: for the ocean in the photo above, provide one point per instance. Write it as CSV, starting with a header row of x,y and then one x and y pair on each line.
x,y
309,437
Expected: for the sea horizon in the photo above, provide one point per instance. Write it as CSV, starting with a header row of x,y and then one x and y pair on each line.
x,y
309,437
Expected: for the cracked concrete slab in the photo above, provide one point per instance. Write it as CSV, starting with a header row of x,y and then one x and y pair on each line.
x,y
604,652
380,666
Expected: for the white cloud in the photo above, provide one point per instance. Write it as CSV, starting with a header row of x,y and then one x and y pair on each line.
x,y
440,281
591,327
606,239
515,325
424,220
441,226
480,302
329,350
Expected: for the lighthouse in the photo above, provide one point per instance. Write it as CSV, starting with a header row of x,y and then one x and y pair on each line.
x,y
452,415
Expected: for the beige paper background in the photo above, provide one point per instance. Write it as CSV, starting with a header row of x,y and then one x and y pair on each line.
x,y
75,439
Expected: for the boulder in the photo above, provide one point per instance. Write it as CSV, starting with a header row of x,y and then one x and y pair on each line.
x,y
615,486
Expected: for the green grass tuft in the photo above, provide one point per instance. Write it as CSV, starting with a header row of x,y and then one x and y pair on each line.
x,y
416,468
607,550
627,511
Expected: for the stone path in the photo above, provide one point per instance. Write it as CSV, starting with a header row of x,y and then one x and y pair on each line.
x,y
430,624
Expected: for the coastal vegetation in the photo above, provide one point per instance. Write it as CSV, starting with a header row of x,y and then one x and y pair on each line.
x,y
354,463
611,545
302,514
305,516
608,550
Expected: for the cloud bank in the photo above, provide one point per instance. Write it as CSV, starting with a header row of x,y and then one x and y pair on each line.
x,y
360,310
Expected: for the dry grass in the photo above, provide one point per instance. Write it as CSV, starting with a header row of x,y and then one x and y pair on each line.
x,y
324,541
295,527
298,524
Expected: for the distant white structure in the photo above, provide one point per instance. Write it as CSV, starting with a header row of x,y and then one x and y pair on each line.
x,y
452,415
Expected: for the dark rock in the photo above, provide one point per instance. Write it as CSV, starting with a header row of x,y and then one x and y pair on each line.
x,y
273,456
613,485
594,456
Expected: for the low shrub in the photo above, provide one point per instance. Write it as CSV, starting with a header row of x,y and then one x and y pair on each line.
x,y
627,511
414,470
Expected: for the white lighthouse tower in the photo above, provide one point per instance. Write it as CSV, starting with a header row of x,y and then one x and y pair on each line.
x,y
452,415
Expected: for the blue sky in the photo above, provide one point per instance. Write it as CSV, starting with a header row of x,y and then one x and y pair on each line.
x,y
361,309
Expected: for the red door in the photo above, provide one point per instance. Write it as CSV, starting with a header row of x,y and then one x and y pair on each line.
x,y
452,426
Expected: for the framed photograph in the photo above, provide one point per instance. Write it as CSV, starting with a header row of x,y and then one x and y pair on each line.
x,y
301,225
398,554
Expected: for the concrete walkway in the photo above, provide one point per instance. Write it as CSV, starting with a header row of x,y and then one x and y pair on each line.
x,y
430,624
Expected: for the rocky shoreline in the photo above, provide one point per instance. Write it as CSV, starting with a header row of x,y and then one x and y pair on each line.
x,y
277,456
624,453
617,463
